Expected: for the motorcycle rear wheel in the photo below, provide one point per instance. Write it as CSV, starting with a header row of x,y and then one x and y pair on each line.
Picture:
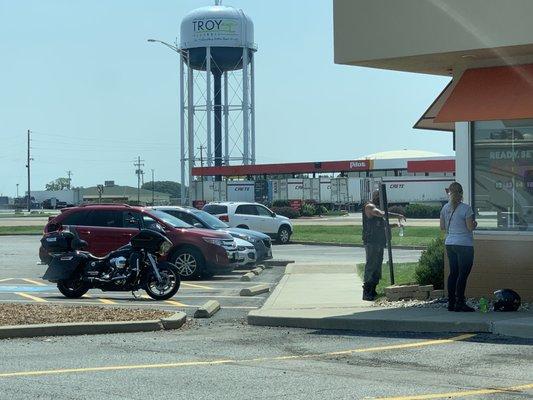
x,y
169,285
72,288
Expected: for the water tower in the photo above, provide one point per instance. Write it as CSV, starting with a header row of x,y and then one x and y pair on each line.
x,y
217,88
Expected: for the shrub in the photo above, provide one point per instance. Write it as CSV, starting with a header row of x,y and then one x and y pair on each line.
x,y
321,210
281,203
430,269
397,209
422,211
286,212
308,210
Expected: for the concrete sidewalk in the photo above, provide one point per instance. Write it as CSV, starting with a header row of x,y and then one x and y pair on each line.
x,y
329,297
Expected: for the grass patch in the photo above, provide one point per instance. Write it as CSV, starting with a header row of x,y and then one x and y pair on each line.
x,y
21,230
21,215
404,273
351,234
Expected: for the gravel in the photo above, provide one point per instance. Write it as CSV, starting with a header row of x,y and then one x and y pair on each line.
x,y
438,303
26,314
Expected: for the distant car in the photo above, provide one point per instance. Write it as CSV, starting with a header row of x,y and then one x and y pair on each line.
x,y
202,219
247,255
252,216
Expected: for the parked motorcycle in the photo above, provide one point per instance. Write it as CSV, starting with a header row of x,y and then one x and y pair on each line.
x,y
129,268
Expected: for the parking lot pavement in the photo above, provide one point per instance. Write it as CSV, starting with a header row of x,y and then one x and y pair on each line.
x,y
20,279
334,255
240,362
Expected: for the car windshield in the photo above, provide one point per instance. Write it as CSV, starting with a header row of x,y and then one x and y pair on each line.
x,y
209,219
170,219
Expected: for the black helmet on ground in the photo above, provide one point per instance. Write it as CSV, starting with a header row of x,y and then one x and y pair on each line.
x,y
506,300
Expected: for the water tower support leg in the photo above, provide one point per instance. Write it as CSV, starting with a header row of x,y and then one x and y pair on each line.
x,y
226,120
208,106
245,107
182,132
252,104
190,124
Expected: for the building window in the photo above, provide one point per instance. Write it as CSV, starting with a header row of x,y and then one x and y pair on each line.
x,y
502,168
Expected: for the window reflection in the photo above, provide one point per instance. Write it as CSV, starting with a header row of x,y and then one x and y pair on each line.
x,y
503,174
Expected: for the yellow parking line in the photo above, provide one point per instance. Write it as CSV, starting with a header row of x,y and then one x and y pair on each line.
x,y
176,303
107,301
29,296
196,286
33,282
463,393
6,279
227,361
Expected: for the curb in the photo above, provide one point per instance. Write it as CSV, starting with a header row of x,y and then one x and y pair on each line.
x,y
277,263
354,245
257,270
207,310
255,290
247,277
92,328
368,324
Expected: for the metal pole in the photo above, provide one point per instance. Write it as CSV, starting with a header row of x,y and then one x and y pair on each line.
x,y
385,207
29,174
202,166
153,187
252,104
226,120
190,119
208,105
17,190
182,131
245,108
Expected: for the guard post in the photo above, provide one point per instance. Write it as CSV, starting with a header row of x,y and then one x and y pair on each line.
x,y
385,207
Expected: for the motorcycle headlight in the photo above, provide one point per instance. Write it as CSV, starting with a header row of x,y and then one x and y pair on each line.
x,y
165,248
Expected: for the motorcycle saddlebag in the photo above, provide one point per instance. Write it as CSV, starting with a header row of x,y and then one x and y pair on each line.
x,y
57,242
61,267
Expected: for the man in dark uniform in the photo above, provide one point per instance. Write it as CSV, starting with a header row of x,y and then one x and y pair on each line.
x,y
375,241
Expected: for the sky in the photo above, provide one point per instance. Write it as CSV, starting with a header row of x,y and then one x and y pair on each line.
x,y
95,94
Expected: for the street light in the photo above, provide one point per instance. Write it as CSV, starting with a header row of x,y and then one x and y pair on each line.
x,y
170,46
185,58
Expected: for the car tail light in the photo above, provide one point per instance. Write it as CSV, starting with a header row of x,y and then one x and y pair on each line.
x,y
224,218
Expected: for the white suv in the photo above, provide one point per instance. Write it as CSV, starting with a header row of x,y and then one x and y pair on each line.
x,y
253,216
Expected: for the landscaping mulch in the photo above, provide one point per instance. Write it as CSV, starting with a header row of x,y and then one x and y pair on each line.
x,y
27,314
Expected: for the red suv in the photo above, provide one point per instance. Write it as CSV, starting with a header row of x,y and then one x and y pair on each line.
x,y
196,252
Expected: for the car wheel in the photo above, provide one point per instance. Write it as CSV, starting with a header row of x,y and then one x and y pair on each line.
x,y
188,262
284,235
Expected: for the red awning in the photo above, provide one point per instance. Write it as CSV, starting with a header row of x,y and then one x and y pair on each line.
x,y
484,94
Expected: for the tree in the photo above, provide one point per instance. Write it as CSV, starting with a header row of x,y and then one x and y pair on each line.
x,y
58,184
170,187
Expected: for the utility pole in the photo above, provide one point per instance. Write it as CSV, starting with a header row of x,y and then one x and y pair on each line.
x,y
17,190
69,174
28,165
153,184
139,163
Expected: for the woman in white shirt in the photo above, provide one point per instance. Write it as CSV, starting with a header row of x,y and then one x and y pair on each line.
x,y
457,219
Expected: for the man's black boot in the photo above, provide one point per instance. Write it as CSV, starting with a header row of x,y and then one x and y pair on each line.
x,y
367,293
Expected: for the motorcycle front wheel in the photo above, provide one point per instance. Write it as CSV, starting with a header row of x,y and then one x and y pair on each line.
x,y
169,285
72,288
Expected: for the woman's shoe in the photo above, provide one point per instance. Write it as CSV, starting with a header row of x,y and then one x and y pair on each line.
x,y
462,307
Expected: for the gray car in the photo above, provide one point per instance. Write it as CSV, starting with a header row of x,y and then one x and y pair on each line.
x,y
202,219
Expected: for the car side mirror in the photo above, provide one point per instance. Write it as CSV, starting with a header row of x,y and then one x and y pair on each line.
x,y
198,225
274,215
